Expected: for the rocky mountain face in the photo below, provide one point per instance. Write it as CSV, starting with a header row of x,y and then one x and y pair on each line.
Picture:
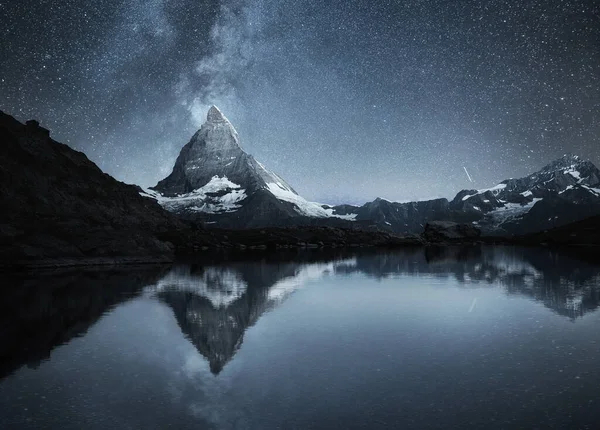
x,y
215,151
59,208
564,191
216,182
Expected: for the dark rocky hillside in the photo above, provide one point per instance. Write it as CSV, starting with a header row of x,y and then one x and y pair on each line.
x,y
58,207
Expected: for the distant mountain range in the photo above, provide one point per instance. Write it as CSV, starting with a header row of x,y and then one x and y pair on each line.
x,y
60,208
215,182
564,191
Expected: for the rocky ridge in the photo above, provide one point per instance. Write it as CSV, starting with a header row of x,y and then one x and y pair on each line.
x,y
59,208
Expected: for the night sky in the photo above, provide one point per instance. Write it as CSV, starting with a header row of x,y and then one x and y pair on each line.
x,y
347,100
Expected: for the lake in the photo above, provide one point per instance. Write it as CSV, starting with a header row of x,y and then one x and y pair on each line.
x,y
439,338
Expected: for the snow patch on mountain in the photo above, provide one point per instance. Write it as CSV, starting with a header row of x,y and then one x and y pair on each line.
x,y
217,184
573,173
511,211
347,217
221,286
573,169
495,190
303,206
219,195
309,273
570,187
594,191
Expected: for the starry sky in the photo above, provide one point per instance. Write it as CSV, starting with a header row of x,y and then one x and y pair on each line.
x,y
348,100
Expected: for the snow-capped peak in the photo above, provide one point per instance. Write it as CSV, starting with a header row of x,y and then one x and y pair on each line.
x,y
564,162
213,175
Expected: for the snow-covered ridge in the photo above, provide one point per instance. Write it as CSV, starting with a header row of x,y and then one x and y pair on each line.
x,y
511,211
220,195
495,190
307,274
595,191
303,206
221,286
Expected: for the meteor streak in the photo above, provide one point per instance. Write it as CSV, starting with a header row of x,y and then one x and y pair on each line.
x,y
468,176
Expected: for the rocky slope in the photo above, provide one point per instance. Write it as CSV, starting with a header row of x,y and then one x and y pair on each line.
x,y
59,208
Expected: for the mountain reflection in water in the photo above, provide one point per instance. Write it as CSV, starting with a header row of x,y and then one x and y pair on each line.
x,y
215,302
437,338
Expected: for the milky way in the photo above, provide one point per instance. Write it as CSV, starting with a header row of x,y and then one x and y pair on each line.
x,y
347,100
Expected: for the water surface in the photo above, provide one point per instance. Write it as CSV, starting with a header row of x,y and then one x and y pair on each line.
x,y
420,339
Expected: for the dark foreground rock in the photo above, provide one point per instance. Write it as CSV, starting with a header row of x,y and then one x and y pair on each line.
x,y
292,237
59,208
581,233
440,232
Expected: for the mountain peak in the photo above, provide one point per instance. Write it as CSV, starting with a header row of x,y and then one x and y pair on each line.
x,y
571,158
215,115
567,160
213,158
